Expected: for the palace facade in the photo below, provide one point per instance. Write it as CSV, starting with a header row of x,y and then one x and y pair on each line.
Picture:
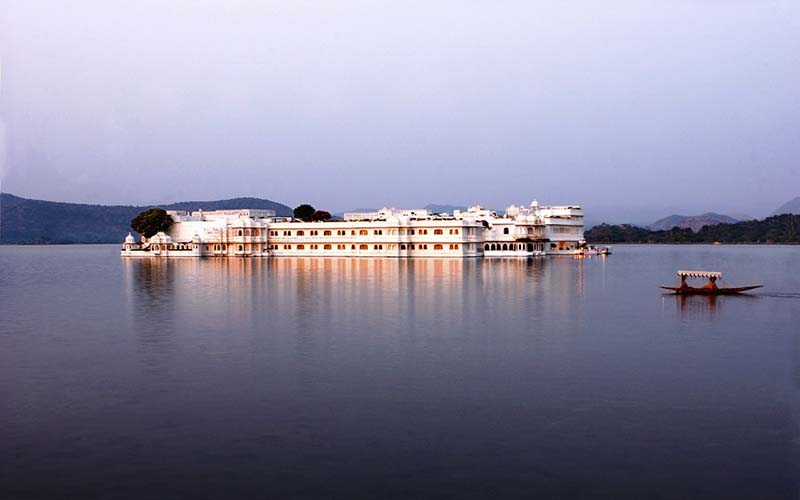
x,y
523,231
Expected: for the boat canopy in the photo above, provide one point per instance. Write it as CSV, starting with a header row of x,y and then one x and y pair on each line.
x,y
700,274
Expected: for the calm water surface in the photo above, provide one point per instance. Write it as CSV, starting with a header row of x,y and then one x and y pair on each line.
x,y
336,378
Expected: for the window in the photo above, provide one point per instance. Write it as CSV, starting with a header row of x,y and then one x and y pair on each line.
x,y
438,231
363,247
437,247
377,231
301,247
301,233
402,247
505,230
326,233
326,247
486,246
363,232
353,233
505,247
239,233
256,232
241,248
410,231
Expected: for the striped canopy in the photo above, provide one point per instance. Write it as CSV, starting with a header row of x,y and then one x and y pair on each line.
x,y
700,274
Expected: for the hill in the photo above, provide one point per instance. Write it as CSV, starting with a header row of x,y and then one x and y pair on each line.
x,y
442,208
29,221
776,229
693,222
790,207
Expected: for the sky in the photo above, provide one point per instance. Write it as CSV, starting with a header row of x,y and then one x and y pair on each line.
x,y
661,106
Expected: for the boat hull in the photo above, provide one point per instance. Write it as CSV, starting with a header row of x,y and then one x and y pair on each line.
x,y
689,290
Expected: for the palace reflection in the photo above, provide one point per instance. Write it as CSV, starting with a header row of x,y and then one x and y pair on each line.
x,y
322,298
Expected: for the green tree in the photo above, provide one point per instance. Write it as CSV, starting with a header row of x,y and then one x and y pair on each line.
x,y
150,222
304,212
321,215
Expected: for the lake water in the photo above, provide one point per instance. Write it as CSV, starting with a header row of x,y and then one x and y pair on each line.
x,y
337,378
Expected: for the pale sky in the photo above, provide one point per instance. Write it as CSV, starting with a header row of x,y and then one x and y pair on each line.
x,y
689,105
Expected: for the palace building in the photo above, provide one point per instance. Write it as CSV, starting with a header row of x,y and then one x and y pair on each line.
x,y
523,231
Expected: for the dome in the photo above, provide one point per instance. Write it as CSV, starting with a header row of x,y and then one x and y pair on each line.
x,y
130,238
161,237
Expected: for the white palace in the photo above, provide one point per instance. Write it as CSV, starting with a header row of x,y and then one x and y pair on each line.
x,y
523,231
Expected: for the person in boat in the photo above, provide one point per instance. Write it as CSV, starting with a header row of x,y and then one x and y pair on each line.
x,y
711,285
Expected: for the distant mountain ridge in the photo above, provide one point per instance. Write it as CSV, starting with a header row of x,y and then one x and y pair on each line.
x,y
693,222
775,229
25,220
443,208
790,207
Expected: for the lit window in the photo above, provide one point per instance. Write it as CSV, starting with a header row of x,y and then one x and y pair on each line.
x,y
438,231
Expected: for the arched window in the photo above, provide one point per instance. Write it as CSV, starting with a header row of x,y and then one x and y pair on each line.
x,y
239,233
505,230
326,233
486,246
437,247
437,231
241,247
402,247
505,247
301,233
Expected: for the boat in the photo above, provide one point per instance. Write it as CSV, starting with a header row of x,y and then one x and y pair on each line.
x,y
591,250
709,288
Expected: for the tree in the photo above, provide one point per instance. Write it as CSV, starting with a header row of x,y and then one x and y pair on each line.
x,y
304,212
150,222
321,215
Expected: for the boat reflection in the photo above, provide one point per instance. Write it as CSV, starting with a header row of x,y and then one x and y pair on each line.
x,y
694,307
